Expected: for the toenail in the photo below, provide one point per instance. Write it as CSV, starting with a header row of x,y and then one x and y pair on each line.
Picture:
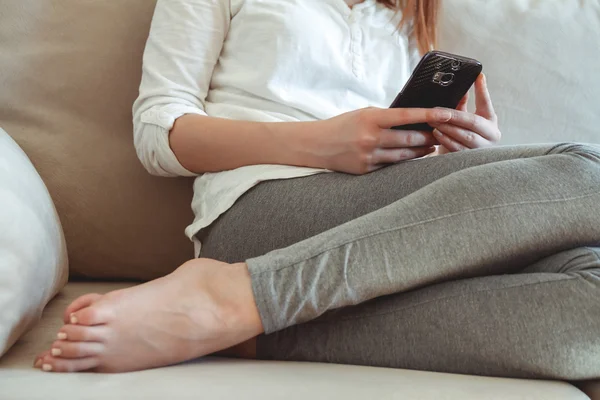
x,y
56,352
47,367
38,363
73,319
61,336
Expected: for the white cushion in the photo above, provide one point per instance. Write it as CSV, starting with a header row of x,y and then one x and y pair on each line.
x,y
33,256
542,59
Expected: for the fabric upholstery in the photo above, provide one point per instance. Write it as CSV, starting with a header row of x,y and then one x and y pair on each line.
x,y
69,73
541,59
70,70
33,255
217,378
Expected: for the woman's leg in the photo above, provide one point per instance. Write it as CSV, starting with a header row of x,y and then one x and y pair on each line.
x,y
482,220
541,323
485,220
277,214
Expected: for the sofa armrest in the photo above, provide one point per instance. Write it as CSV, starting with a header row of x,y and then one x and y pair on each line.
x,y
591,388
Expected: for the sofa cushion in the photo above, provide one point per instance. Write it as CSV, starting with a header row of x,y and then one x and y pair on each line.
x,y
70,70
542,62
218,378
33,255
69,73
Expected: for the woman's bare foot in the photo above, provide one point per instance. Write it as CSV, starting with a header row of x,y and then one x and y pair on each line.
x,y
203,307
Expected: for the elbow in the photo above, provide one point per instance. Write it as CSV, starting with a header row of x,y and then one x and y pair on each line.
x,y
152,124
150,161
154,152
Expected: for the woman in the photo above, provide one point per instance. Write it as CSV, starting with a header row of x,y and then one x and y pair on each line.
x,y
474,262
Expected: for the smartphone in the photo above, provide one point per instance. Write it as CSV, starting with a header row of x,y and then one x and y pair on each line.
x,y
440,80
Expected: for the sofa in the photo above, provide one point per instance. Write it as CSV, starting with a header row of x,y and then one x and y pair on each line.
x,y
69,72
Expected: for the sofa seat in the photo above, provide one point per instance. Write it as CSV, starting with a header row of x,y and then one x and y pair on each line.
x,y
220,378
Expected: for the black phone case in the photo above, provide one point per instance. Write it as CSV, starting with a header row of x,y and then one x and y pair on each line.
x,y
440,80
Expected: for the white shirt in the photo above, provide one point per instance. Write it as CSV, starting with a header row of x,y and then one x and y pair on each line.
x,y
261,60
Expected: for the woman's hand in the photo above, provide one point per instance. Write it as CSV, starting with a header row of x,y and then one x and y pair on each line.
x,y
466,130
362,141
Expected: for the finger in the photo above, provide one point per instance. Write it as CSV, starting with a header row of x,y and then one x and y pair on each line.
x,y
475,123
391,156
462,106
463,136
394,139
449,143
483,100
83,301
441,150
390,117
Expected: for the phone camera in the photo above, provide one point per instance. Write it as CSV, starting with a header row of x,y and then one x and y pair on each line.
x,y
456,65
443,78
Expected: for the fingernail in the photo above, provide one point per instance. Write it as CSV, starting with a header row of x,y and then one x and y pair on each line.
x,y
47,367
56,352
443,115
38,363
73,319
61,336
437,133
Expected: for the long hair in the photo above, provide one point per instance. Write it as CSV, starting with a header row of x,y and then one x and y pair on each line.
x,y
422,15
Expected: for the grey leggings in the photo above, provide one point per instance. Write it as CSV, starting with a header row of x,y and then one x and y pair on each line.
x,y
479,262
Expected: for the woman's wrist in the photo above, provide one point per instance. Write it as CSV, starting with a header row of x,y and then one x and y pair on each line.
x,y
296,143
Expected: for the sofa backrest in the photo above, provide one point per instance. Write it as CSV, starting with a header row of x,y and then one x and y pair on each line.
x,y
70,69
542,60
69,73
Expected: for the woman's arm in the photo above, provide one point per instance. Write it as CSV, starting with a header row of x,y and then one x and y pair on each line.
x,y
182,50
173,135
356,142
240,143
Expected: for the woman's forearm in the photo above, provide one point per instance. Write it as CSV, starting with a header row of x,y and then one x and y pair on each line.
x,y
208,144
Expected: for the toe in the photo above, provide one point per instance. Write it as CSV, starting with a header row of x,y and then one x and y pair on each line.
x,y
79,303
37,362
54,364
66,349
82,333
93,315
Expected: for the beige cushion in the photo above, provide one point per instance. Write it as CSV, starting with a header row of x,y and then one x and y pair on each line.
x,y
33,255
542,60
69,73
214,378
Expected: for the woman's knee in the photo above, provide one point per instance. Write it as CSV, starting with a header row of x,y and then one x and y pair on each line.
x,y
574,261
586,150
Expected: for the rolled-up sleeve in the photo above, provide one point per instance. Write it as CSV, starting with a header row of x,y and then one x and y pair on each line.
x,y
185,41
